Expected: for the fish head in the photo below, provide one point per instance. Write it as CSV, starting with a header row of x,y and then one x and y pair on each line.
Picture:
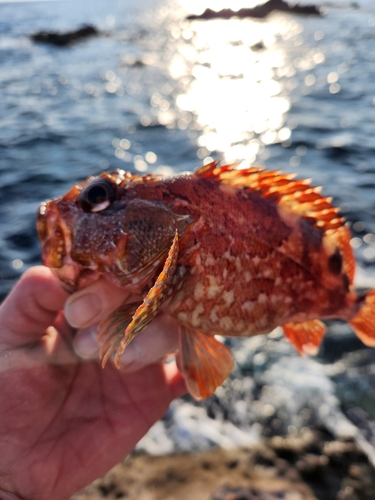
x,y
103,226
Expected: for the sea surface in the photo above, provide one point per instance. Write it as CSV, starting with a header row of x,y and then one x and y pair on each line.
x,y
157,93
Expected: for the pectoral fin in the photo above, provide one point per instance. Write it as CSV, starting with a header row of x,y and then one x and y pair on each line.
x,y
306,337
120,328
206,363
112,328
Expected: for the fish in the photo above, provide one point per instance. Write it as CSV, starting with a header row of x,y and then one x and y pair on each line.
x,y
226,251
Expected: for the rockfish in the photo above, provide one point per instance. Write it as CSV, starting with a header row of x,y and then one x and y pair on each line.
x,y
224,251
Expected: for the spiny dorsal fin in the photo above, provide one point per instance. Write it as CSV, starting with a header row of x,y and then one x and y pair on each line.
x,y
296,196
212,172
125,177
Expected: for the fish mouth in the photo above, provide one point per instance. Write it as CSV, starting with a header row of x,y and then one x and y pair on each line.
x,y
53,235
73,277
55,239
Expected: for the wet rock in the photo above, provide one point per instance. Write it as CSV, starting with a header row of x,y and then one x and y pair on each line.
x,y
258,12
258,46
63,39
311,466
234,493
275,392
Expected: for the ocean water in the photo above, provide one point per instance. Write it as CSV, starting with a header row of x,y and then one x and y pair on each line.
x,y
157,93
292,92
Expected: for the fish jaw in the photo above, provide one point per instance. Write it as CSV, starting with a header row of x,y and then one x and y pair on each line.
x,y
74,270
53,235
56,242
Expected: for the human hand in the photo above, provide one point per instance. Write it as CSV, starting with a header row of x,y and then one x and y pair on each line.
x,y
65,421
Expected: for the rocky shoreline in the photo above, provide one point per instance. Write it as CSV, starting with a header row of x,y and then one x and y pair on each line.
x,y
62,39
312,466
260,11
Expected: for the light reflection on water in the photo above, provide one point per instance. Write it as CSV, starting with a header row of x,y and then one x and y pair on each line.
x,y
234,79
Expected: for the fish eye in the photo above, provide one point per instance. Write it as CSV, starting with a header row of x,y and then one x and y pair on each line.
x,y
97,195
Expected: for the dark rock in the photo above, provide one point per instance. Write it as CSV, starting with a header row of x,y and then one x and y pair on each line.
x,y
259,12
258,46
311,466
63,39
233,493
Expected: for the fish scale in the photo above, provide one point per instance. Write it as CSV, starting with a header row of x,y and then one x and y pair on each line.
x,y
225,251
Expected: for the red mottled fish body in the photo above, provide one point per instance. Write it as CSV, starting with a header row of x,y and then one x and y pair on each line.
x,y
250,267
225,251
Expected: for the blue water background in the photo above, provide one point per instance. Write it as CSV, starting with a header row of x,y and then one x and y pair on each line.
x,y
65,111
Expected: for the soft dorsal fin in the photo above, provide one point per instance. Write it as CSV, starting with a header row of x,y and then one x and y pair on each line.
x,y
296,196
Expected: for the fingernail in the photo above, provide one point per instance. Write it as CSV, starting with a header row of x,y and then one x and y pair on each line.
x,y
130,356
85,344
83,309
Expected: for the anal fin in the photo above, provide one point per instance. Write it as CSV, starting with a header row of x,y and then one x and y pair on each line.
x,y
120,327
306,337
364,323
206,362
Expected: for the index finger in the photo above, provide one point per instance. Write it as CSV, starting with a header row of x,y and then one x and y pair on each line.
x,y
89,306
31,307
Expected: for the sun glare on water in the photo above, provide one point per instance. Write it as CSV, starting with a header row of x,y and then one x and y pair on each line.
x,y
228,74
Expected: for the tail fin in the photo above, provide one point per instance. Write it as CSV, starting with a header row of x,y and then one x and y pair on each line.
x,y
364,323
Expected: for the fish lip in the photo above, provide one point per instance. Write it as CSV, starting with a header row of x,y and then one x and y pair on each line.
x,y
54,236
68,276
70,288
41,223
73,277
